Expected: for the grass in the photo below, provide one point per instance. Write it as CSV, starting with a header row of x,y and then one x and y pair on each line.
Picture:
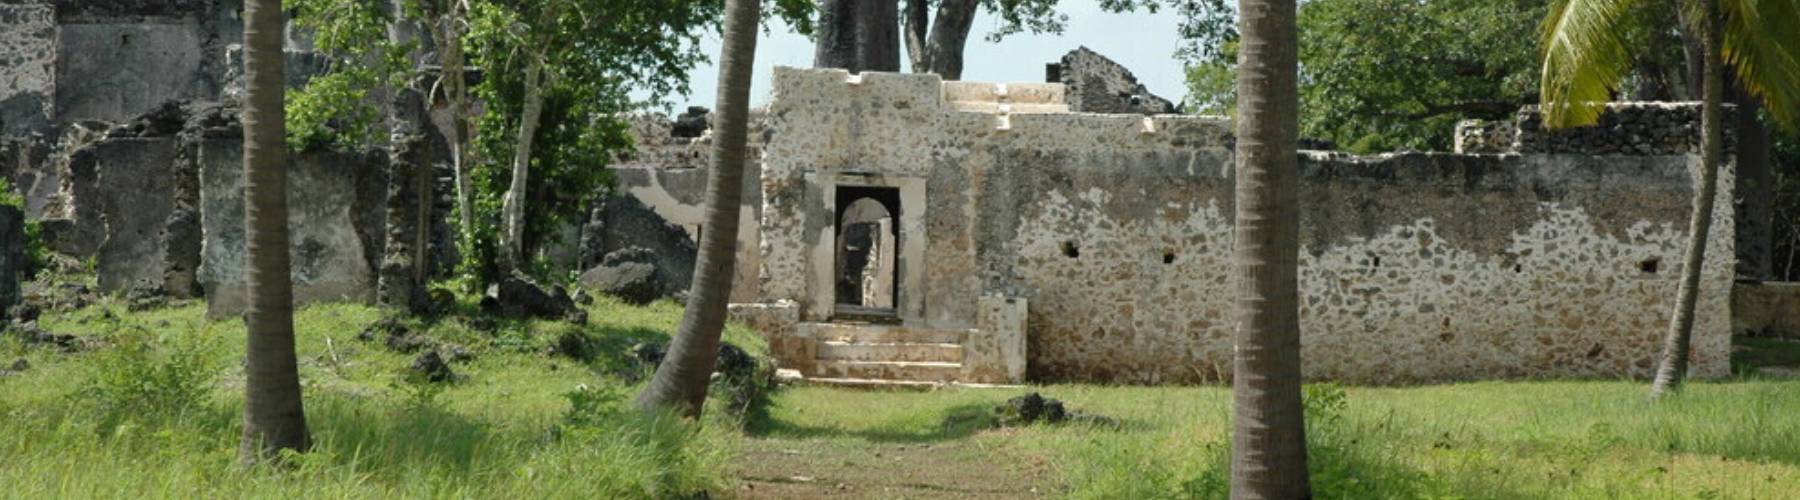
x,y
1736,439
155,413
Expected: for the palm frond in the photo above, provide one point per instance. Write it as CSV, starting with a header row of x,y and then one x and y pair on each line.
x,y
1762,42
1584,59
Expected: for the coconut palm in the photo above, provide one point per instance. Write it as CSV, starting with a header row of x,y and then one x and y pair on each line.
x,y
1585,56
1268,447
680,381
274,419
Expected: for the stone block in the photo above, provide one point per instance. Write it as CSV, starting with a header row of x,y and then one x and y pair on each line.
x,y
995,351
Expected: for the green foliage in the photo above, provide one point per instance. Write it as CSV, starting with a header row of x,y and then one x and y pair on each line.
x,y
1588,48
1383,75
336,110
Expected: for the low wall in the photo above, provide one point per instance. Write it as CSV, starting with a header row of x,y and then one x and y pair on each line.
x,y
1767,309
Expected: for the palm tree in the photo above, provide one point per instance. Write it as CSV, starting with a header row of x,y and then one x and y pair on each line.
x,y
274,418
1585,57
680,381
1268,447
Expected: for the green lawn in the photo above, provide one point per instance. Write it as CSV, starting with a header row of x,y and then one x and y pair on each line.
x,y
154,413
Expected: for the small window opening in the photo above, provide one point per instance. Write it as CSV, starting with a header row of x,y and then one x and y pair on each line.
x,y
1168,257
1070,250
1650,266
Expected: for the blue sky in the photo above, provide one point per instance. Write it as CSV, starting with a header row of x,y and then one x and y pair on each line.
x,y
1145,43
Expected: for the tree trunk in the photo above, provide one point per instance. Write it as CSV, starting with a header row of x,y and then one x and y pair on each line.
x,y
1268,453
949,36
513,208
918,31
680,381
835,36
274,417
1678,344
457,87
1755,191
878,35
858,35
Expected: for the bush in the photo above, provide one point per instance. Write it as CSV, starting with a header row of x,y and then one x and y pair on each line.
x,y
141,377
37,252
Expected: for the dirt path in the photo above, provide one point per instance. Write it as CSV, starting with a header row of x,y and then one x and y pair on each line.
x,y
854,468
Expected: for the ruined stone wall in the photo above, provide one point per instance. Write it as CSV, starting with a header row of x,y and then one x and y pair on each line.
x,y
335,209
658,202
27,67
1117,230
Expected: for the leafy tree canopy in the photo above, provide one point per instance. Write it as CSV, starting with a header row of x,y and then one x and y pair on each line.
x,y
1383,75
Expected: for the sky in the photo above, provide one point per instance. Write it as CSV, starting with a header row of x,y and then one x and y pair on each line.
x,y
1144,43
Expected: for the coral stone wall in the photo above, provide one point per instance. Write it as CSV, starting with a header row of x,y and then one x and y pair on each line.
x,y
1117,231
27,78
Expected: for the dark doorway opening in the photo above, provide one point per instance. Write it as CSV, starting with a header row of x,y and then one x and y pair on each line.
x,y
866,276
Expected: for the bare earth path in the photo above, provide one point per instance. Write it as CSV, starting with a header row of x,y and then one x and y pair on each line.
x,y
807,450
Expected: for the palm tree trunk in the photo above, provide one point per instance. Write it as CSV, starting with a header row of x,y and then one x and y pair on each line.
x,y
680,381
513,248
1268,453
1678,344
274,418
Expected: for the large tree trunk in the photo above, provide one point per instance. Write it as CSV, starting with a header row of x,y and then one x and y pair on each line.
x,y
513,208
1268,453
1678,344
680,381
1755,191
456,86
936,44
858,35
274,418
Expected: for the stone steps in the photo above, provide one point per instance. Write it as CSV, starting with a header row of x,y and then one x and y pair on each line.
x,y
835,350
882,334
912,371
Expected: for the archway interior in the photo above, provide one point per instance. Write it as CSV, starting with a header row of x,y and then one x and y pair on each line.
x,y
868,242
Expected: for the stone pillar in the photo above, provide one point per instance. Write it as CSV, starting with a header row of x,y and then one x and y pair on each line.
x,y
995,351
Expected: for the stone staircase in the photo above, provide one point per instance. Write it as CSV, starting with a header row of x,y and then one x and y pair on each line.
x,y
876,355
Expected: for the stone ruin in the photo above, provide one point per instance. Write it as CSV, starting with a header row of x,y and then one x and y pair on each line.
x,y
902,229
1034,242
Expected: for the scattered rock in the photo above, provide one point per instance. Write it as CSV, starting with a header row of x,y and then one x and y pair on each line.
x,y
144,298
1035,408
648,354
691,124
457,354
442,301
632,282
519,297
407,342
581,297
24,313
19,365
573,344
29,333
431,367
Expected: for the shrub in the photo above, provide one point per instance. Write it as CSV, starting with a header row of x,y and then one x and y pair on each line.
x,y
143,377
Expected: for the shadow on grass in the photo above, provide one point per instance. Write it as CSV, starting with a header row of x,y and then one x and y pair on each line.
x,y
957,422
393,438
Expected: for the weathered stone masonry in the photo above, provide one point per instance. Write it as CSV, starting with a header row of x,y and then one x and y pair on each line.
x,y
1111,233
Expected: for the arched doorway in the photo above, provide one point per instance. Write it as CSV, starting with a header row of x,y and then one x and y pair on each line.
x,y
866,275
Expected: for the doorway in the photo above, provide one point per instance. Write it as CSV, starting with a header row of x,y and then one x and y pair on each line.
x,y
866,274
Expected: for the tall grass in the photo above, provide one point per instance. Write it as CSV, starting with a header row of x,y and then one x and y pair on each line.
x,y
156,413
